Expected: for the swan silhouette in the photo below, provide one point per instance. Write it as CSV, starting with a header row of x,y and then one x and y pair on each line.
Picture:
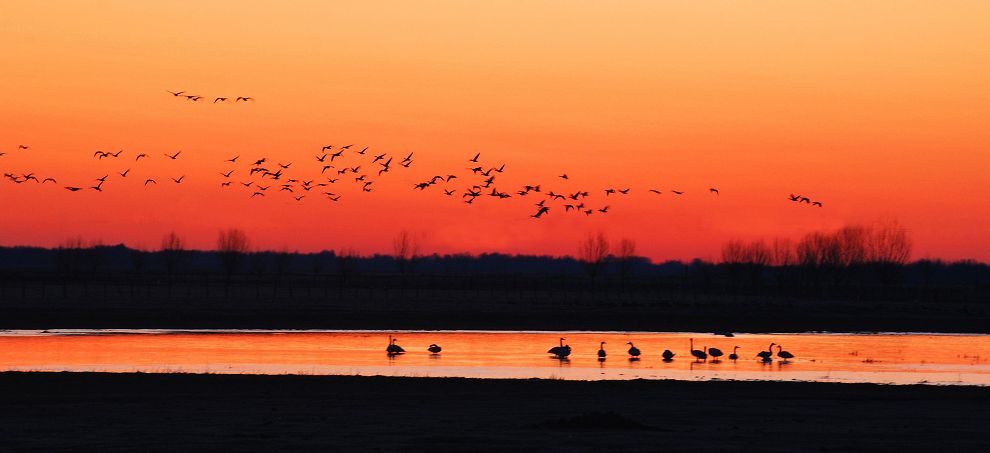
x,y
561,351
698,354
766,355
393,348
784,354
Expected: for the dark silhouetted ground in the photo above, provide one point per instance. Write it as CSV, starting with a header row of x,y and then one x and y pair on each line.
x,y
107,412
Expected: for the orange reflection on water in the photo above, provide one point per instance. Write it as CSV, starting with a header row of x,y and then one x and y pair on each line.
x,y
880,358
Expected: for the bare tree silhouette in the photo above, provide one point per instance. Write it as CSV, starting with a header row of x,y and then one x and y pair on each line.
x,y
232,245
593,251
625,254
404,249
888,249
173,256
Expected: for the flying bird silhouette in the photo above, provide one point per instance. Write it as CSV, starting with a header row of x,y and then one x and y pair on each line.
x,y
540,212
150,181
173,156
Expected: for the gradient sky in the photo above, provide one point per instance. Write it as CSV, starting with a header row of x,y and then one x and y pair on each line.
x,y
879,109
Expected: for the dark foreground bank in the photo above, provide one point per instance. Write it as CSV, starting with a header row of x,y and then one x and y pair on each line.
x,y
54,411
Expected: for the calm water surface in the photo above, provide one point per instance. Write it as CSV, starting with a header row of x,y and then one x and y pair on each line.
x,y
876,358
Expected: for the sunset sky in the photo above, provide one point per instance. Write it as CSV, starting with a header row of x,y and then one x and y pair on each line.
x,y
878,109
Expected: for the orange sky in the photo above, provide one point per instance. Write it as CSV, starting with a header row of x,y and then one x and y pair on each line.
x,y
877,108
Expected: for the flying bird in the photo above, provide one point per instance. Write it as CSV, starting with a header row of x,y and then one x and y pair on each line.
x,y
72,189
150,181
173,156
475,158
139,156
219,100
124,173
713,190
243,98
175,93
23,147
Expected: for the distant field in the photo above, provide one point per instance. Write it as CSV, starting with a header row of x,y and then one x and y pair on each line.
x,y
390,301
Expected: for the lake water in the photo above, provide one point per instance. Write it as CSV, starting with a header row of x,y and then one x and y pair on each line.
x,y
824,357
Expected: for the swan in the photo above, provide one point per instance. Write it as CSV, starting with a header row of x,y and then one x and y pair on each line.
x,y
768,354
698,354
393,348
561,351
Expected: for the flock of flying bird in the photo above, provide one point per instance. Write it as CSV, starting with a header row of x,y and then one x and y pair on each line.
x,y
196,98
562,351
362,167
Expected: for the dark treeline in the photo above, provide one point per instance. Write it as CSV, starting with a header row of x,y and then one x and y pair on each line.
x,y
602,289
741,271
